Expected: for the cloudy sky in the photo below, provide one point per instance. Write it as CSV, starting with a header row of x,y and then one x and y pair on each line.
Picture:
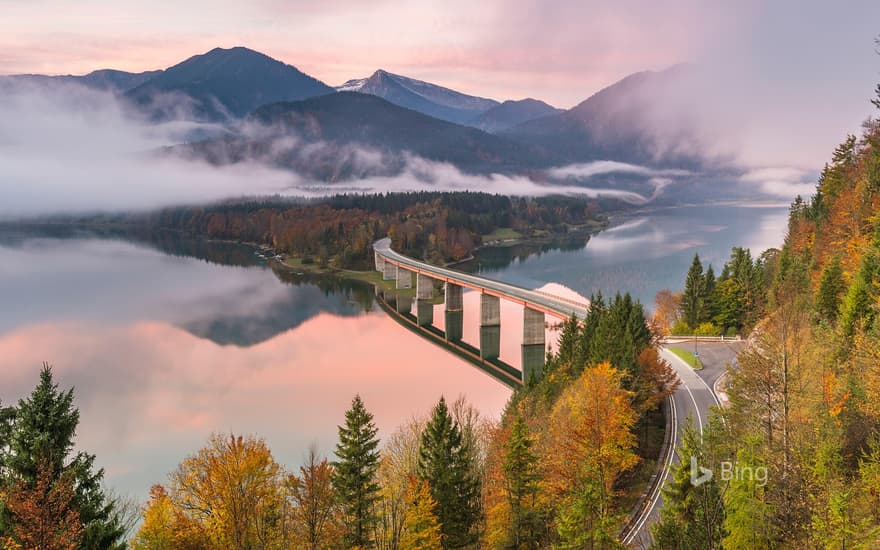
x,y
784,80
559,51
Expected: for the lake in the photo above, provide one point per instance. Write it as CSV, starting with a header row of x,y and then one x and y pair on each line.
x,y
167,341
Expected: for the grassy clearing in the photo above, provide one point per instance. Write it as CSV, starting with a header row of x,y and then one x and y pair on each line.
x,y
502,234
688,357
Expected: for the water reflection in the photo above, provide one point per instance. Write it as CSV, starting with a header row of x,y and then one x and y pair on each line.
x,y
166,348
643,252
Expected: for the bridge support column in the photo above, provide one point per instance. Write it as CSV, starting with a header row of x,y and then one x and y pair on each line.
x,y
424,300
380,262
424,313
454,313
389,270
490,326
532,344
404,278
404,304
424,287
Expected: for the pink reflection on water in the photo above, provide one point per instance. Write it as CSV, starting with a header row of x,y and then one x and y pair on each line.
x,y
150,393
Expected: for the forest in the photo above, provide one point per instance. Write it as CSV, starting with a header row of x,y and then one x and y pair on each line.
x,y
338,231
804,396
553,472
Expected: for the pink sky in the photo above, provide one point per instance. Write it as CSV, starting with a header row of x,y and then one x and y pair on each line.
x,y
792,76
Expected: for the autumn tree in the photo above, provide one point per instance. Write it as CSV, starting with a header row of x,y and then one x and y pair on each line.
x,y
444,462
421,528
314,509
44,514
667,310
397,465
232,488
354,479
589,445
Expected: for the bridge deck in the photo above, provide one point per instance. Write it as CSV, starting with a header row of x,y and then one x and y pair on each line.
x,y
556,306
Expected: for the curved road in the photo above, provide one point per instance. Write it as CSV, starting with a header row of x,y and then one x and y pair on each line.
x,y
556,306
694,398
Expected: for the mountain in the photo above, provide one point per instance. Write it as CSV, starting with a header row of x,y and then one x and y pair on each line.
x,y
223,84
511,113
348,135
104,79
424,97
643,119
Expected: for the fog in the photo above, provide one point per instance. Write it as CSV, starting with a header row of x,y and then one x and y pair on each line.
x,y
69,149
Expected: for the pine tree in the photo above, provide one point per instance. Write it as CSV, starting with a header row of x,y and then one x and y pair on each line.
x,y
521,476
694,292
444,464
831,289
43,433
354,478
421,528
708,309
693,515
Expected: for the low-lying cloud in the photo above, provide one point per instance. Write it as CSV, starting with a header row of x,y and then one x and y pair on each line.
x,y
69,149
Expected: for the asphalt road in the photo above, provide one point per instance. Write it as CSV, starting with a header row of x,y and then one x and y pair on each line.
x,y
693,399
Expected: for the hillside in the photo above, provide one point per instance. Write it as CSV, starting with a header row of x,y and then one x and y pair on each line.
x,y
223,84
351,128
512,113
620,123
804,394
424,97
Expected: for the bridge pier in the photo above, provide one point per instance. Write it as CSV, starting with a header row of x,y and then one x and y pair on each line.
x,y
389,271
424,300
424,287
380,261
490,326
532,344
404,304
454,313
404,278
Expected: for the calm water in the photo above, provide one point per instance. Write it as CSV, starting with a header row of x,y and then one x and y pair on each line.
x,y
169,341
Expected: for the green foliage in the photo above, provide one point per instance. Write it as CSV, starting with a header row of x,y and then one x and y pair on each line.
x,y
620,335
858,306
831,289
354,476
693,516
41,431
693,298
444,462
520,470
681,328
707,329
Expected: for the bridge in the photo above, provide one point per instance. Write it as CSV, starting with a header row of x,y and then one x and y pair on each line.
x,y
536,304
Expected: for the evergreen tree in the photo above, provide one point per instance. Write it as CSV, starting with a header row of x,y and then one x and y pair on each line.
x,y
421,528
568,340
42,436
444,464
588,331
694,292
620,335
521,476
693,515
708,309
831,288
354,478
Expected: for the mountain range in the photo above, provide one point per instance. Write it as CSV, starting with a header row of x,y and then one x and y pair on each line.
x,y
390,114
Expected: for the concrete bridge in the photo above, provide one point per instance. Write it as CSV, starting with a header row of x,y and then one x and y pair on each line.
x,y
536,304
